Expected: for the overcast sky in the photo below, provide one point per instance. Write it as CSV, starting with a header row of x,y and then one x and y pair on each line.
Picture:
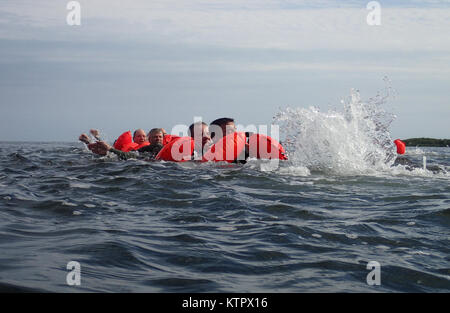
x,y
157,63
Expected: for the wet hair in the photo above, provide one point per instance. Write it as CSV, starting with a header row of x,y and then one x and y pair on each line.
x,y
155,131
222,121
219,123
191,128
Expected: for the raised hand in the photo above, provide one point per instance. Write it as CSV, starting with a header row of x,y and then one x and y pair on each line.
x,y
84,138
95,133
100,147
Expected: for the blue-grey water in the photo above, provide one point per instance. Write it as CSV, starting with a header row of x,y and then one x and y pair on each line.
x,y
136,226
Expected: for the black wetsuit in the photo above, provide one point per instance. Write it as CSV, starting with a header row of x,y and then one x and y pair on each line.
x,y
145,153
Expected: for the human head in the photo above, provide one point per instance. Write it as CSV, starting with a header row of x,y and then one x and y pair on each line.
x,y
156,135
139,136
225,124
203,129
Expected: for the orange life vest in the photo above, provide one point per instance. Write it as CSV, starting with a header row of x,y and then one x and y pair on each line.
x,y
182,149
264,147
401,147
169,138
229,148
125,143
134,146
179,149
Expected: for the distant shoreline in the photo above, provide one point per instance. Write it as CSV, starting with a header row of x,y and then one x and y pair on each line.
x,y
426,142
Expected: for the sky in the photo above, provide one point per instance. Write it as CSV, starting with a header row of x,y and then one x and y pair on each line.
x,y
158,63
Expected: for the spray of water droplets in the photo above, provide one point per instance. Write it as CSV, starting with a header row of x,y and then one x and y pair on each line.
x,y
355,139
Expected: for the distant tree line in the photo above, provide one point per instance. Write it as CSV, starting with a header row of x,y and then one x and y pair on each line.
x,y
427,142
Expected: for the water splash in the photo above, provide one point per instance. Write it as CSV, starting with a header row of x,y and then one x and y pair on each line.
x,y
355,140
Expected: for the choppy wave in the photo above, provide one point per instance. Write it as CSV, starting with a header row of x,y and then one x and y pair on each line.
x,y
354,140
310,224
136,226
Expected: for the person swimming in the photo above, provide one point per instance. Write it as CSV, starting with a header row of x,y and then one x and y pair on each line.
x,y
126,142
156,135
139,136
139,139
208,143
199,131
226,126
221,127
257,146
86,139
148,152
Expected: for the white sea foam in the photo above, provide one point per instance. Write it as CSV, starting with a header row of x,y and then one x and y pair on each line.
x,y
401,170
355,140
80,185
67,203
352,141
295,171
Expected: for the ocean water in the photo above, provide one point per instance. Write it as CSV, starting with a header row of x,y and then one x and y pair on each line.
x,y
136,226
310,224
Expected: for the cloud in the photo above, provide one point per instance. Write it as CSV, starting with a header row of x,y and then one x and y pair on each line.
x,y
243,56
262,24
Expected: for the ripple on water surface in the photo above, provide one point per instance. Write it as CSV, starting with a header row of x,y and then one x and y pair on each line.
x,y
163,227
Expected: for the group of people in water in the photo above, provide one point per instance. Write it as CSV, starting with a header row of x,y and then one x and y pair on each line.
x,y
205,142
218,141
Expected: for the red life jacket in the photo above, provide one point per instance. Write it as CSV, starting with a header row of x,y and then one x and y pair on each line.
x,y
123,139
134,146
401,147
264,147
179,149
125,143
229,149
169,138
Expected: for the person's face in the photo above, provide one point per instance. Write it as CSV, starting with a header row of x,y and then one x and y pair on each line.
x,y
156,138
140,137
206,137
227,128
